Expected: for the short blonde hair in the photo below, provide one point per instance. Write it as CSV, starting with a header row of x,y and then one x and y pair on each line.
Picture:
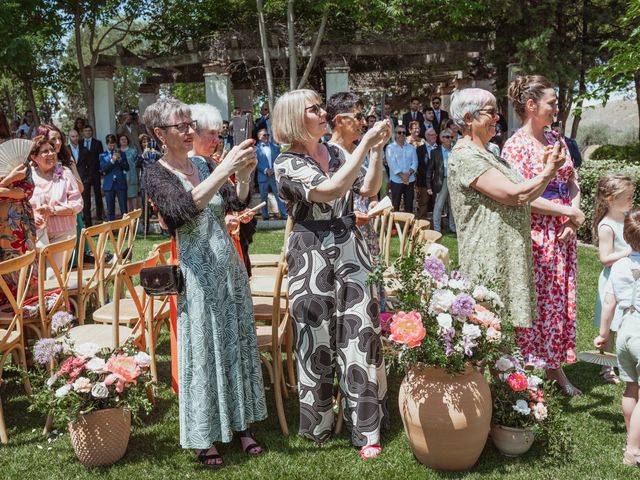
x,y
288,117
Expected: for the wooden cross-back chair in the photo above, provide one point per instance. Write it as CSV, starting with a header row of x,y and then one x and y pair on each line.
x,y
262,260
271,338
116,244
402,222
12,335
131,232
127,317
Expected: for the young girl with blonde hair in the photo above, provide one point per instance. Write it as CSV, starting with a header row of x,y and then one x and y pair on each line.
x,y
614,199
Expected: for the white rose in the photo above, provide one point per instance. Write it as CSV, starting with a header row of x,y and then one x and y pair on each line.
x,y
63,390
503,364
457,284
493,335
86,350
142,359
51,380
495,298
96,365
82,385
534,382
471,331
444,320
441,301
522,407
480,293
540,411
100,390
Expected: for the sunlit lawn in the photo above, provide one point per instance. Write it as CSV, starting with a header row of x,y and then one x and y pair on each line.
x,y
154,452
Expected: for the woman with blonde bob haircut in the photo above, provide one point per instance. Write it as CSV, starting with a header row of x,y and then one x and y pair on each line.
x,y
334,310
492,203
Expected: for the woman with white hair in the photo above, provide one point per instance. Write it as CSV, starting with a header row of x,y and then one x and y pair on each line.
x,y
220,384
205,146
334,310
490,202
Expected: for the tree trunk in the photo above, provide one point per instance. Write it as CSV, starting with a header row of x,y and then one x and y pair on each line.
x,y
636,80
582,89
316,48
565,99
85,80
293,55
265,53
28,86
582,84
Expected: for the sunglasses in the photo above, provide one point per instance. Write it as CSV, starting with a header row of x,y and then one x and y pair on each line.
x,y
401,133
447,136
315,109
184,126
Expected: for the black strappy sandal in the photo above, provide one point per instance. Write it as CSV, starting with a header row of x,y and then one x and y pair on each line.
x,y
247,434
205,459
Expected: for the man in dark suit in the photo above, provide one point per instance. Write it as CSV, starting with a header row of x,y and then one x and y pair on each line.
x,y
440,115
414,115
437,173
267,153
424,199
89,169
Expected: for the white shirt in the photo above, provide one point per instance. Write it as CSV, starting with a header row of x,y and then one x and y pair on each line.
x,y
74,151
266,150
25,128
621,280
401,159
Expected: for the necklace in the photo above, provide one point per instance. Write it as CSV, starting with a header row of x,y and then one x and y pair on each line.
x,y
186,174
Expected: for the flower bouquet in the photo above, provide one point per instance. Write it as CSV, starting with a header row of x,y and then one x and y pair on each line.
x,y
73,384
524,405
443,330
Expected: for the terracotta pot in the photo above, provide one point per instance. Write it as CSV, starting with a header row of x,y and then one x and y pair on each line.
x,y
446,418
512,442
101,438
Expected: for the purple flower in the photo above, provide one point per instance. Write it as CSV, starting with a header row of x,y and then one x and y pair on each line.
x,y
45,350
434,267
468,346
456,275
60,320
448,342
463,305
531,361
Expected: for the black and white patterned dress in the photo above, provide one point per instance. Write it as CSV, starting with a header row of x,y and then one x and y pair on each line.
x,y
335,314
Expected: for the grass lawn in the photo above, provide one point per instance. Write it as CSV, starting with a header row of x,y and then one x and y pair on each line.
x,y
154,452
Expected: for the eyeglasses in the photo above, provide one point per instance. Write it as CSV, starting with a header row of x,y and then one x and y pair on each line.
x,y
401,133
358,116
184,126
315,109
447,136
489,111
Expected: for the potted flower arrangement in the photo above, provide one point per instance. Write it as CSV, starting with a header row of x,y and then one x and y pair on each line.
x,y
444,331
522,405
94,391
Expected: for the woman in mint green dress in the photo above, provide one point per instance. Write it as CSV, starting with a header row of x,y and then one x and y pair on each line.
x,y
219,372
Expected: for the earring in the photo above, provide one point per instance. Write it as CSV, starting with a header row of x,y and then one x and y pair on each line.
x,y
164,149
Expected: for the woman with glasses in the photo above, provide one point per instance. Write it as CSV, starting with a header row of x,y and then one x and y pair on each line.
x,y
554,221
220,384
114,168
333,307
490,202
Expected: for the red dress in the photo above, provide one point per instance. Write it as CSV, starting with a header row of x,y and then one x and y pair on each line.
x,y
552,336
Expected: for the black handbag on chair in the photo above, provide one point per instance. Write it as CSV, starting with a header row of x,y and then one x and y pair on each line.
x,y
163,279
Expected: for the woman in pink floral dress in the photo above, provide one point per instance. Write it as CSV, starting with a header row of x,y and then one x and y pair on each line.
x,y
555,219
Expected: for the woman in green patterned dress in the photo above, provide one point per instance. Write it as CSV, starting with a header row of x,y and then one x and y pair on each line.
x,y
491,203
219,372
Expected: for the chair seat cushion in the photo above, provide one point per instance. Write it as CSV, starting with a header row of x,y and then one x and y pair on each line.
x,y
13,336
264,259
264,285
101,335
263,333
128,312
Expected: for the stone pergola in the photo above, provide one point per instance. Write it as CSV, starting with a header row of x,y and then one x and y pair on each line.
x,y
230,70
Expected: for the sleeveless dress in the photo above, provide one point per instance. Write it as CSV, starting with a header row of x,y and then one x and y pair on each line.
x,y
619,245
219,370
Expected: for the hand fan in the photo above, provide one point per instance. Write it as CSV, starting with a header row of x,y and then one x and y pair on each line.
x,y
13,153
381,206
599,357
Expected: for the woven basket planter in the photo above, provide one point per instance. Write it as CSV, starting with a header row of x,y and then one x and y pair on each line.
x,y
101,438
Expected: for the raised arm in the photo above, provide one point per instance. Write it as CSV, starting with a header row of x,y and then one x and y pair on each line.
x,y
373,178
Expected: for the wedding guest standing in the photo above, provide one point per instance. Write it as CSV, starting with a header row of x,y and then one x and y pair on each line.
x,y
334,310
114,167
403,165
130,155
555,219
90,172
220,378
267,153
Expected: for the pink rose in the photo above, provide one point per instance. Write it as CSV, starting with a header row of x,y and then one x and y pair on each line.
x,y
517,382
407,329
124,369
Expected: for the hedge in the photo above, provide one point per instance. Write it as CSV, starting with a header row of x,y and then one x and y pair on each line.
x,y
589,175
623,153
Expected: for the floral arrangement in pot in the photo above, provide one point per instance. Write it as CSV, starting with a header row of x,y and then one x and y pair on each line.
x,y
444,330
80,385
524,406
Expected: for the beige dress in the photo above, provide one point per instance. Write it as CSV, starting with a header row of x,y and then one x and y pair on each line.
x,y
494,240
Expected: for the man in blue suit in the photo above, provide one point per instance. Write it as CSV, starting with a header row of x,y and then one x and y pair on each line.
x,y
113,166
267,153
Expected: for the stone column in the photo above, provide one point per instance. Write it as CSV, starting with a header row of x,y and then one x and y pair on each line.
x,y
104,104
337,79
147,94
217,88
445,96
513,121
243,97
